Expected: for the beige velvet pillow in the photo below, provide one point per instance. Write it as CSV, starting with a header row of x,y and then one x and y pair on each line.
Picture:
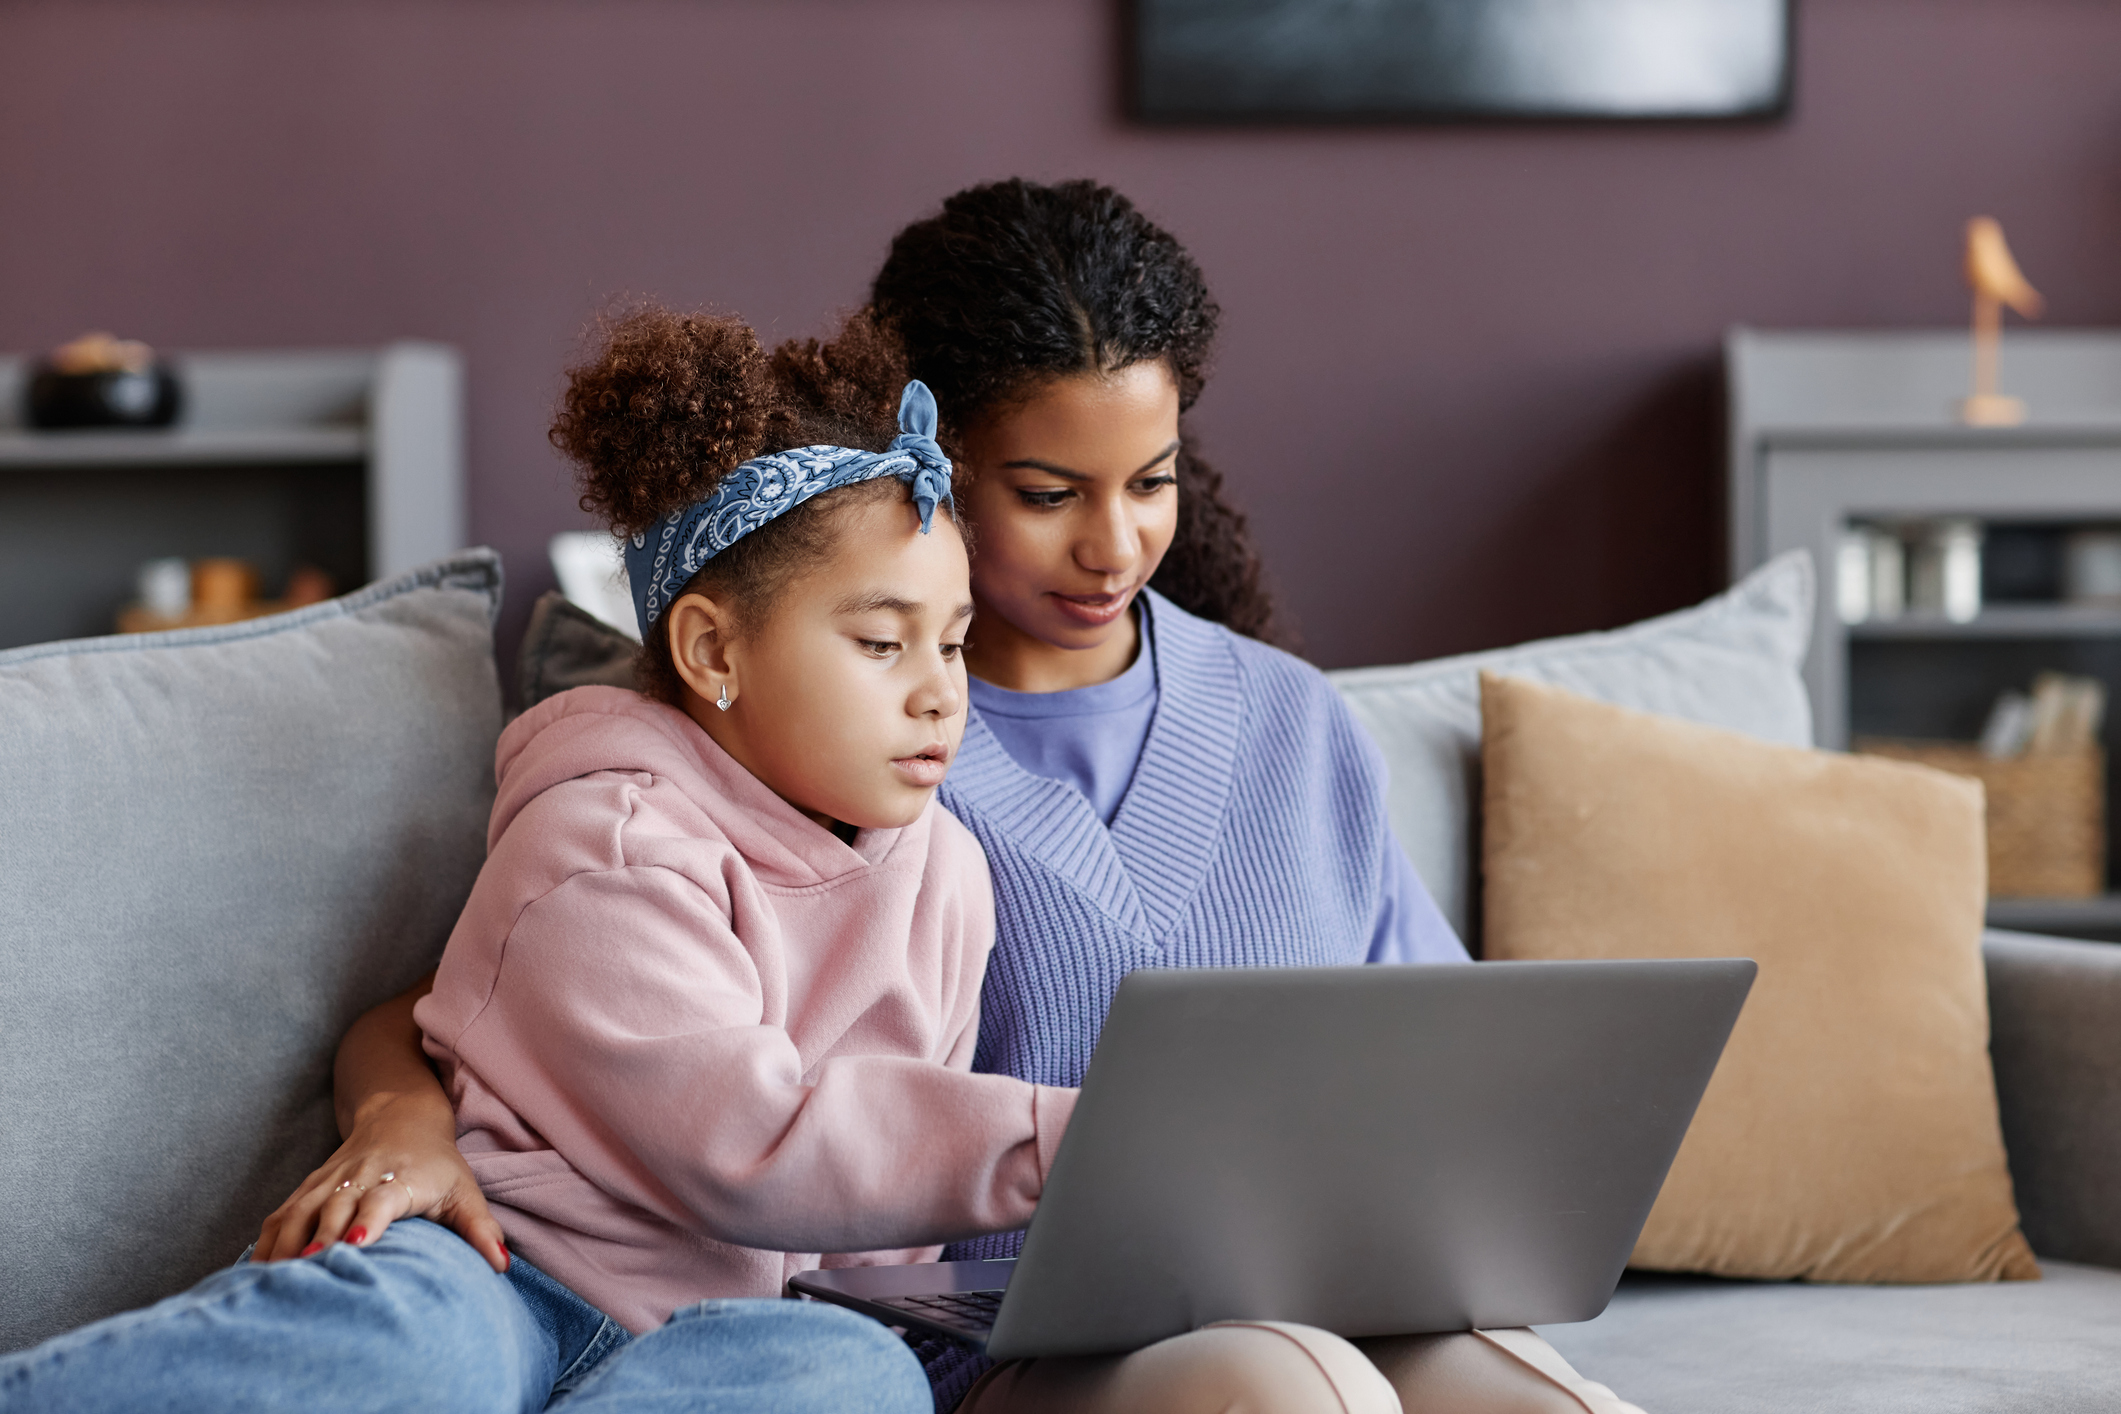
x,y
1850,1133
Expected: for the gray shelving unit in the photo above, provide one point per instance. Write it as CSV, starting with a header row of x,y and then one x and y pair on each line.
x,y
1832,428
1998,621
351,460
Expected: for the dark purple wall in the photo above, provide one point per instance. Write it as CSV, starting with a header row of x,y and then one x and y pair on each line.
x,y
1468,388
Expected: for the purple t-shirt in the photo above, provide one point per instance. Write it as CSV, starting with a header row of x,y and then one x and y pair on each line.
x,y
1091,738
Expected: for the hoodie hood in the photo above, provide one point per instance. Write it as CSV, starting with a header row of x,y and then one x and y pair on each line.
x,y
595,729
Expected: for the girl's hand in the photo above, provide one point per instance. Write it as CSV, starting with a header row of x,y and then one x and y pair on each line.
x,y
400,1157
400,1160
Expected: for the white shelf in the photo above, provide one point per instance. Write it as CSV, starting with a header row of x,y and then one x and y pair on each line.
x,y
2007,621
348,459
185,446
1851,386
1827,428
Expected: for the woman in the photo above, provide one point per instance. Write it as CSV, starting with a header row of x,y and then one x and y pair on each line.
x,y
1151,782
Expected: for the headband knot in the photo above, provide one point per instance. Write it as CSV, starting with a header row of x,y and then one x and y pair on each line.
x,y
661,560
916,438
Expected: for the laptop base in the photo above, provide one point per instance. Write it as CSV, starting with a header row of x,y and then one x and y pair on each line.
x,y
955,1300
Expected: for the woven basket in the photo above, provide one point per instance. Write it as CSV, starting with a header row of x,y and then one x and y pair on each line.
x,y
2046,815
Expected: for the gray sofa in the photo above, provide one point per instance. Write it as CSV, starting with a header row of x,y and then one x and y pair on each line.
x,y
1682,1345
218,846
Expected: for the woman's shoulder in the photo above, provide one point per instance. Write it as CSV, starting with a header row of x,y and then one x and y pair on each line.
x,y
1282,700
1273,677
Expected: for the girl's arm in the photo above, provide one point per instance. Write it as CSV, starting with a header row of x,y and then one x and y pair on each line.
x,y
395,1119
626,1032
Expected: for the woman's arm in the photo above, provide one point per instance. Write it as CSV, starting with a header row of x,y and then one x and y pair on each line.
x,y
1410,927
396,1120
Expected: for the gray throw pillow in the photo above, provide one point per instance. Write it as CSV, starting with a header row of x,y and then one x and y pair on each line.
x,y
1734,662
217,847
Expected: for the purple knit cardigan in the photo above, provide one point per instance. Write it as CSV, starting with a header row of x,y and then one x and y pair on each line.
x,y
1253,835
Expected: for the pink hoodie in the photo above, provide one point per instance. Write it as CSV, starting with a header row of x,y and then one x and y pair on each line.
x,y
692,1037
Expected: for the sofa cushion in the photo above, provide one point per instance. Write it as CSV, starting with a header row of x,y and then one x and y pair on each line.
x,y
1850,1132
2055,1039
217,847
1698,1345
1734,661
567,646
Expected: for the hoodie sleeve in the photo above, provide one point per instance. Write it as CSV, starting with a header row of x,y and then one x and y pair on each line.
x,y
623,1025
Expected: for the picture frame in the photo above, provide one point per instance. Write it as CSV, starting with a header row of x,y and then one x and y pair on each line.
x,y
1446,61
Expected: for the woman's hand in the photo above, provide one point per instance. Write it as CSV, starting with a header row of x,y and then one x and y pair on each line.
x,y
401,1160
400,1157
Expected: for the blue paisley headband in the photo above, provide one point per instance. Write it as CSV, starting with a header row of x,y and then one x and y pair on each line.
x,y
662,559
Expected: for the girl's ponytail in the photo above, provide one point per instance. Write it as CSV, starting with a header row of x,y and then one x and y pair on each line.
x,y
854,379
670,404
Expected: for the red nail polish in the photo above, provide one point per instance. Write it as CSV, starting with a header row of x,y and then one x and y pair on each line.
x,y
313,1249
508,1258
356,1235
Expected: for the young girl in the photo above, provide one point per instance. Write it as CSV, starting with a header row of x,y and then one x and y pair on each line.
x,y
710,1009
715,994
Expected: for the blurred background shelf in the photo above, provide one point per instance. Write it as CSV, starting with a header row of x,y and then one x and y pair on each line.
x,y
226,446
2000,621
348,460
1830,431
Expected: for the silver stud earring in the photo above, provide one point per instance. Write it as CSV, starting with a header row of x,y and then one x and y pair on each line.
x,y
723,701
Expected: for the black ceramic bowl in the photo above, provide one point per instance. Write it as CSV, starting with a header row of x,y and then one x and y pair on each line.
x,y
150,397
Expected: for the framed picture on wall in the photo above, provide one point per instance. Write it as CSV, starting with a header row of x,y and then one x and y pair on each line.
x,y
1210,61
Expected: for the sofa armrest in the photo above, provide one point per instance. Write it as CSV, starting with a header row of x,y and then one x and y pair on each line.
x,y
2055,1040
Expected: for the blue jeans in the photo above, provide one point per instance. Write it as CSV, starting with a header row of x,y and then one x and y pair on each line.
x,y
418,1321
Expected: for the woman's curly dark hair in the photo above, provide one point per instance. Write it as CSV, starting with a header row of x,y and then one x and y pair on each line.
x,y
1014,284
670,403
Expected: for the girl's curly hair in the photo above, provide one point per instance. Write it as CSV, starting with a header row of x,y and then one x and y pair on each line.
x,y
1013,284
670,403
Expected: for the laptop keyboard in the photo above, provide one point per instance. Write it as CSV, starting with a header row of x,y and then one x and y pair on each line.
x,y
967,1310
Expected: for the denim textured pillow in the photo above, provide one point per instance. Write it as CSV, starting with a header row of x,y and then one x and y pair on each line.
x,y
217,847
1733,662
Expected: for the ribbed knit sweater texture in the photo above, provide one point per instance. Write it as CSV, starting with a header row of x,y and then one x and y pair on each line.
x,y
1253,835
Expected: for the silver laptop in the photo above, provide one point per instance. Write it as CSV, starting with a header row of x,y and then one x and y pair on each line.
x,y
1371,1150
